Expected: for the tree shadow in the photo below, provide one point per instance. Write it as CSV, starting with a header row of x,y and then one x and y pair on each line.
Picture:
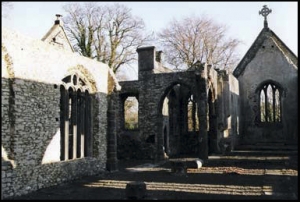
x,y
218,179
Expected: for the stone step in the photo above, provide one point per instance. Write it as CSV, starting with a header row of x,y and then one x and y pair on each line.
x,y
264,152
267,147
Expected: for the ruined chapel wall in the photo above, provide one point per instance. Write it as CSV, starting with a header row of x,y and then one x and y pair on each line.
x,y
34,142
227,108
150,89
6,166
57,33
39,61
31,112
234,110
270,63
128,88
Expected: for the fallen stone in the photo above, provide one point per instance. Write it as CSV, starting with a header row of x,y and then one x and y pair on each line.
x,y
135,190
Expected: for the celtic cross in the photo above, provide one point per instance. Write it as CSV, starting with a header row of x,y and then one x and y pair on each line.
x,y
265,11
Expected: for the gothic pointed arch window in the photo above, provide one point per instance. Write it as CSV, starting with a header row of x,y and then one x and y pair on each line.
x,y
75,107
270,98
192,114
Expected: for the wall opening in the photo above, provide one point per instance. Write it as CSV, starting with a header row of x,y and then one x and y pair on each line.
x,y
131,115
270,103
180,121
75,107
193,119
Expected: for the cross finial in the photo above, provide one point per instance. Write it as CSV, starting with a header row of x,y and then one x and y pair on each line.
x,y
58,16
57,21
265,11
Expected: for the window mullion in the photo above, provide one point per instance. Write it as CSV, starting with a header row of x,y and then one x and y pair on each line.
x,y
266,105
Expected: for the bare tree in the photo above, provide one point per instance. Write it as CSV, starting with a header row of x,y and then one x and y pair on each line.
x,y
197,39
107,33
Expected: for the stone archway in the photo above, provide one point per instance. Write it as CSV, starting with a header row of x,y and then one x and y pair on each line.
x,y
174,119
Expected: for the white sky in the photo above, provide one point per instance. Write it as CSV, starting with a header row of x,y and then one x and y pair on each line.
x,y
242,18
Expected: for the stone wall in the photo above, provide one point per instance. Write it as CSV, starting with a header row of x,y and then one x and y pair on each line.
x,y
151,88
234,107
151,92
228,111
32,142
32,59
56,36
269,64
32,72
7,178
218,114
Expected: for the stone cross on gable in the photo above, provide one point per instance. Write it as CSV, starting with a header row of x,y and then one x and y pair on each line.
x,y
265,11
58,16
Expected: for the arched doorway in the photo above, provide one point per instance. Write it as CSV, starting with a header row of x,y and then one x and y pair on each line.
x,y
180,122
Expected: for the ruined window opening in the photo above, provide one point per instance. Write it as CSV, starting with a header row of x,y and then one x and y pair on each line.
x,y
131,117
75,118
75,80
165,108
81,82
70,107
67,79
192,119
270,103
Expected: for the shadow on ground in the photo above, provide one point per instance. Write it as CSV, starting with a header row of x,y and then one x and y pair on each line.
x,y
239,175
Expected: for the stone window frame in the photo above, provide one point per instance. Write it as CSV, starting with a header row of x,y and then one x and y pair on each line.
x,y
75,107
124,97
191,102
263,86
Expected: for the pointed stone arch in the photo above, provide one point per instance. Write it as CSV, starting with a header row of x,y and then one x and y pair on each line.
x,y
262,92
75,106
85,75
172,117
9,62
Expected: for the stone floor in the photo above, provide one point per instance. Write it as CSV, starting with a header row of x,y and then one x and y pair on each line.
x,y
239,175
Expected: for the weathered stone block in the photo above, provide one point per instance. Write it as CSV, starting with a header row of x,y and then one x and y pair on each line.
x,y
178,167
135,190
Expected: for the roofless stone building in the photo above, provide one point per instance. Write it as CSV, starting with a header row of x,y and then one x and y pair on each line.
x,y
63,114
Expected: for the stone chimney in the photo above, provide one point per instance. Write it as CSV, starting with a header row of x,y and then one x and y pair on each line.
x,y
58,21
146,58
159,56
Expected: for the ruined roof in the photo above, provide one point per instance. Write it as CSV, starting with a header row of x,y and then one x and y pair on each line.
x,y
263,35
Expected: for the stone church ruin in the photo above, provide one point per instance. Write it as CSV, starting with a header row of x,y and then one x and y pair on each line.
x,y
63,114
178,110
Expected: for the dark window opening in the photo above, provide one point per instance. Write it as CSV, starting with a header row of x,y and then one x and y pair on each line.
x,y
75,119
270,104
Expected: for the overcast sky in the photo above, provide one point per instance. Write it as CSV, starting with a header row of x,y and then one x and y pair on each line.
x,y
242,18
